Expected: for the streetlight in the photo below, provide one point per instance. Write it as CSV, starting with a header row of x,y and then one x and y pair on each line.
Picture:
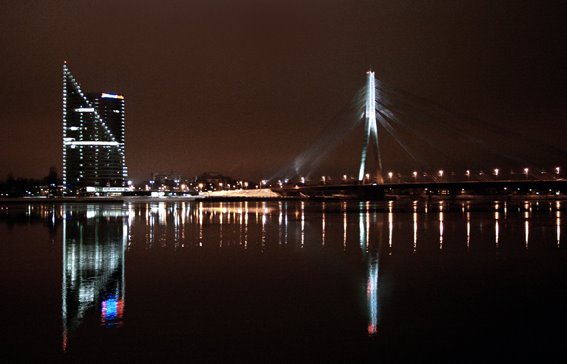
x,y
414,175
468,173
557,170
390,175
367,175
526,171
441,173
496,170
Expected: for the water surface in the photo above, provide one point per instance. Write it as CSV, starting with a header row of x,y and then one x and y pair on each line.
x,y
281,281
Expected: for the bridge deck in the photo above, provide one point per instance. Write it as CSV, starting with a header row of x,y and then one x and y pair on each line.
x,y
451,188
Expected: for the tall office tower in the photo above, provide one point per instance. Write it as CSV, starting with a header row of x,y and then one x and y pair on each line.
x,y
93,139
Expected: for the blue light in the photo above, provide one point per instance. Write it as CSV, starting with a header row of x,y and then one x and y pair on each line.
x,y
110,309
111,96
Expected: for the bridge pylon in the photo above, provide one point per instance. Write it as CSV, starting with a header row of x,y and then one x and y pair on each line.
x,y
370,130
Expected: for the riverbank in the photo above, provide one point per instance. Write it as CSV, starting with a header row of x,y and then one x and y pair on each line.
x,y
233,197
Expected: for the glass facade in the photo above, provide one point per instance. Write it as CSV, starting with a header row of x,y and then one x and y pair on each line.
x,y
93,138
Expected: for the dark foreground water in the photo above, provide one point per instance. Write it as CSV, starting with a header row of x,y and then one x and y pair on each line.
x,y
284,281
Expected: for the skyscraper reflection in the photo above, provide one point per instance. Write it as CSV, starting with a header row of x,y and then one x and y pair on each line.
x,y
94,241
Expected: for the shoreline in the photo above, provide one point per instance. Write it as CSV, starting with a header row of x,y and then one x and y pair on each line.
x,y
136,199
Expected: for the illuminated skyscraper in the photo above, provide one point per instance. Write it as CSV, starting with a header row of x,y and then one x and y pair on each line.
x,y
93,139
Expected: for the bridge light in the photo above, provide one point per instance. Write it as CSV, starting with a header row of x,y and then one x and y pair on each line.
x,y
390,175
526,170
468,173
440,173
414,174
344,177
496,170
246,184
557,170
303,180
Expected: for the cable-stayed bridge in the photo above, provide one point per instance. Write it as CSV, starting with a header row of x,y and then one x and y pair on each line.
x,y
440,152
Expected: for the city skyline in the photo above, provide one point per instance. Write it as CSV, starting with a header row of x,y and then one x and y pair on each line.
x,y
211,85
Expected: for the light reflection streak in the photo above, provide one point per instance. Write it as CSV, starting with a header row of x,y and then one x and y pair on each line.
x,y
440,225
285,222
200,224
246,226
558,228
323,221
176,224
496,228
256,212
302,223
390,223
527,211
414,231
221,220
558,222
468,230
362,228
372,295
152,229
280,222
367,224
241,229
344,226
527,232
263,235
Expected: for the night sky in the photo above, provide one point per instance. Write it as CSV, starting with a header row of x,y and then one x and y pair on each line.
x,y
241,87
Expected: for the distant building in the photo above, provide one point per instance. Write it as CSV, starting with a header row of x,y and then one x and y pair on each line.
x,y
167,178
93,139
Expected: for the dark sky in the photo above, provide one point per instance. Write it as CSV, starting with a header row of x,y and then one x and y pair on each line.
x,y
241,87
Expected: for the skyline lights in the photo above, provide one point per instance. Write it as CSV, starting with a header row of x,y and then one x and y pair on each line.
x,y
93,138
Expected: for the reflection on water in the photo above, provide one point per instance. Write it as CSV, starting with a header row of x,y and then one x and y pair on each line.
x,y
97,238
372,295
94,244
558,227
440,225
